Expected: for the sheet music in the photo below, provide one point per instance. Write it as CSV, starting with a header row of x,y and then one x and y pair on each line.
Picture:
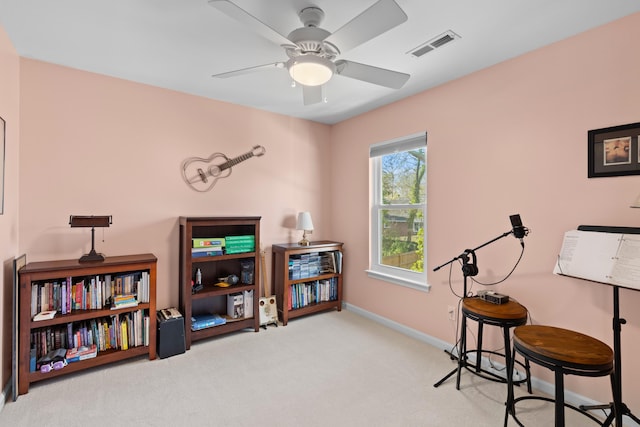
x,y
626,269
602,257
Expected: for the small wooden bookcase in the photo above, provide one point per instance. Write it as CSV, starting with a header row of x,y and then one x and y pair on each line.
x,y
308,279
212,299
38,273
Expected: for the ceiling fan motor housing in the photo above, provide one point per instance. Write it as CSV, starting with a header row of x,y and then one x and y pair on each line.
x,y
311,16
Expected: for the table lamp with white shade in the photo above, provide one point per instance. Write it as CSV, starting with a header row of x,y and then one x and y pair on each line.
x,y
306,225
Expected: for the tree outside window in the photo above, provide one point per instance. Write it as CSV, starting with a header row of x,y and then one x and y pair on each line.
x,y
398,210
403,198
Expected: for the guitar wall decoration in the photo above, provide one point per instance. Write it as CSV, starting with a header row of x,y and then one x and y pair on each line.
x,y
201,174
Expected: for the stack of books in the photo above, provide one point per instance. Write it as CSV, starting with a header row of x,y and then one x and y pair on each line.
x,y
81,353
203,321
207,246
304,266
124,301
240,244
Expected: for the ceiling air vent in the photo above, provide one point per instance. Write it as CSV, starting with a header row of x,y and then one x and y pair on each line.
x,y
434,43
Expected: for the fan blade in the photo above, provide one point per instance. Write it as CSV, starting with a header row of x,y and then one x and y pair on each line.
x,y
248,70
377,19
311,94
368,73
253,23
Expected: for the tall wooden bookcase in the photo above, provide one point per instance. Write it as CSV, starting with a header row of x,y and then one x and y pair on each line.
x,y
212,299
308,279
37,274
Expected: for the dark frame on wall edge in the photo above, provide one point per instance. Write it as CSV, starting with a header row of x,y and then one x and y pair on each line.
x,y
3,127
18,263
614,151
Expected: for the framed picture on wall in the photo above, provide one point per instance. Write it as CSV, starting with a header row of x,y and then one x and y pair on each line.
x,y
613,151
2,133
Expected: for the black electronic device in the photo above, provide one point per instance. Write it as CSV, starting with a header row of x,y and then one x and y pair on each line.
x,y
519,230
493,297
170,338
169,313
470,268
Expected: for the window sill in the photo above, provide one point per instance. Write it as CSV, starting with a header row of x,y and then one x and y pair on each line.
x,y
419,286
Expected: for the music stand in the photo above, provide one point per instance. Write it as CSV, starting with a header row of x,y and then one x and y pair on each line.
x,y
622,409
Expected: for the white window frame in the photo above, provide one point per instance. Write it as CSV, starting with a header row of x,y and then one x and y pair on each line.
x,y
395,275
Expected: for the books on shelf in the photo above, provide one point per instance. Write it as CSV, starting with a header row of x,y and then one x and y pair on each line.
x,y
205,242
87,292
330,262
240,244
202,321
120,331
214,246
313,292
124,301
81,353
208,251
304,266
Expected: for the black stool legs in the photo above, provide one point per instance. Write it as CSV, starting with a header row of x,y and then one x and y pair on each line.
x,y
565,352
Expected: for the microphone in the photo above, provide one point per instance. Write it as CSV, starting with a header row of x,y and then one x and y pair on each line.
x,y
519,231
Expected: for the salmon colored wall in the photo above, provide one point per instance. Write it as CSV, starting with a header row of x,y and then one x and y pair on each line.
x,y
9,111
508,139
95,145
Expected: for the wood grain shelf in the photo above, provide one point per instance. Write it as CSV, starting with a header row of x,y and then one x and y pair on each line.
x,y
283,255
211,299
37,273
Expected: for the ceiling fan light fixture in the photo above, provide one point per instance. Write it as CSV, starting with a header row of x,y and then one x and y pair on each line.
x,y
311,70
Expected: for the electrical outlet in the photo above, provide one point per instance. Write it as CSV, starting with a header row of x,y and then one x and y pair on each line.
x,y
452,312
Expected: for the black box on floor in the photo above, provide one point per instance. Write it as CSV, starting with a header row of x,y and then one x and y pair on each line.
x,y
170,337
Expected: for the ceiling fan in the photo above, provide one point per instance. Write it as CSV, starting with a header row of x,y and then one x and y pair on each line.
x,y
312,50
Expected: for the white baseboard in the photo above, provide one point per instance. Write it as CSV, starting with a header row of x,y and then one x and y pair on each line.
x,y
6,392
536,383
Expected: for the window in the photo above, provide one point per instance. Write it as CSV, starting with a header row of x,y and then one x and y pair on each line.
x,y
398,211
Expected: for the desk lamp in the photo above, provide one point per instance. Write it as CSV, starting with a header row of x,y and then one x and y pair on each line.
x,y
306,225
93,222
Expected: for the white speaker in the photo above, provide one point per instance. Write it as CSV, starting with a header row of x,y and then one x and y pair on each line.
x,y
268,311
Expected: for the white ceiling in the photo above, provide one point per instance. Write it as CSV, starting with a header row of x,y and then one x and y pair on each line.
x,y
179,44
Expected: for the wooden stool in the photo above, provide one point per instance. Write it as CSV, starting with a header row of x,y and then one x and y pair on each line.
x,y
506,316
566,353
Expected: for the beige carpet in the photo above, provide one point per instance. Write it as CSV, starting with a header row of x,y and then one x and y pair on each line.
x,y
329,369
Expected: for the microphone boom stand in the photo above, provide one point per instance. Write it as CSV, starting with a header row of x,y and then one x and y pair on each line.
x,y
467,270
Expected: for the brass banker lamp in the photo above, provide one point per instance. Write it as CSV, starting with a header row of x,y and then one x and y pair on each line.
x,y
92,221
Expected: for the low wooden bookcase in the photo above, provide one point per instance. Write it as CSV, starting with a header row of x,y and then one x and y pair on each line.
x,y
222,261
308,279
38,274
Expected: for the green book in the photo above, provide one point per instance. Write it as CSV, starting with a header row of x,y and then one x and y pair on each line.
x,y
205,242
234,239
